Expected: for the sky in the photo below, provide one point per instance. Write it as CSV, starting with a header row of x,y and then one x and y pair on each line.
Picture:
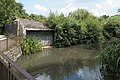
x,y
96,7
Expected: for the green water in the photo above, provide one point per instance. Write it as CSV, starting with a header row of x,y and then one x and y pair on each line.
x,y
73,63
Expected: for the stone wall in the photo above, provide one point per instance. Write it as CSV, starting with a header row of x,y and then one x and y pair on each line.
x,y
14,53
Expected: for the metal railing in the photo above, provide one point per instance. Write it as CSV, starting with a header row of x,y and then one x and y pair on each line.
x,y
9,70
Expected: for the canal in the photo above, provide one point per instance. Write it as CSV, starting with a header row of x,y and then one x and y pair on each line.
x,y
79,62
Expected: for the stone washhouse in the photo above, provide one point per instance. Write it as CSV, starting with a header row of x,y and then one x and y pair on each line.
x,y
31,28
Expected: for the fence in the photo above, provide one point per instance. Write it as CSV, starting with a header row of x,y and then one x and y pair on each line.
x,y
9,70
6,43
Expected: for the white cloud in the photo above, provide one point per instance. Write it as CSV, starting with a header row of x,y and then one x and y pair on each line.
x,y
98,13
107,4
70,8
106,7
99,6
40,8
64,10
112,3
95,12
70,0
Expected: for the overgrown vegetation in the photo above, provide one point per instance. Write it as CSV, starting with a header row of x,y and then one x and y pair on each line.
x,y
110,58
83,27
112,27
31,45
78,27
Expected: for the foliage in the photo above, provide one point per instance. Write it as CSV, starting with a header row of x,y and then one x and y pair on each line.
x,y
51,21
78,27
20,12
91,31
110,57
10,10
7,11
39,18
112,27
80,14
31,45
65,33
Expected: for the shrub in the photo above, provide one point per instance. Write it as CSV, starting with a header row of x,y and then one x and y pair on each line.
x,y
30,45
81,26
112,27
78,27
91,31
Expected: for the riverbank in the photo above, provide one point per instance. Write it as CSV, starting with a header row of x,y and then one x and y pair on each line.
x,y
16,52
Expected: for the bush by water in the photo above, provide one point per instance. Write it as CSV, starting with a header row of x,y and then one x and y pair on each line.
x,y
31,45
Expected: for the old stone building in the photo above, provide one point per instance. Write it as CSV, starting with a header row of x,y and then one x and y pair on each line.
x,y
31,28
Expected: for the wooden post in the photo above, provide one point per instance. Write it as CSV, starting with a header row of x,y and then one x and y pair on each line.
x,y
6,43
8,71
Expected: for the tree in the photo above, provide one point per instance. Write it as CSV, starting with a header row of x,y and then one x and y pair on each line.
x,y
39,18
80,14
7,11
105,16
20,12
10,10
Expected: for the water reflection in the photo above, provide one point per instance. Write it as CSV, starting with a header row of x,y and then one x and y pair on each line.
x,y
71,70
74,63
